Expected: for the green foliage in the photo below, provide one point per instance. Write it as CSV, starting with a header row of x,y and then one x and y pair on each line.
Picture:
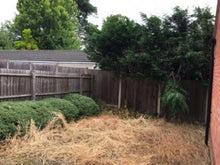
x,y
85,9
141,65
107,46
69,110
187,40
27,43
176,44
85,105
6,37
14,114
54,24
7,130
174,99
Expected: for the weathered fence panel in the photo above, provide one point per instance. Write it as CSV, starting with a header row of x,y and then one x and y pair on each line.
x,y
17,84
142,95
105,86
197,100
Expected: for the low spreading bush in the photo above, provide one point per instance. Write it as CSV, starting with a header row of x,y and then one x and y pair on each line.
x,y
69,110
7,130
85,105
14,115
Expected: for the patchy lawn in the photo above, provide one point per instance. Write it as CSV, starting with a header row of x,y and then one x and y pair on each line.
x,y
108,139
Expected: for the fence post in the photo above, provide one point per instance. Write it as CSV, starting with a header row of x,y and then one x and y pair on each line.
x,y
158,100
92,85
33,86
81,84
119,94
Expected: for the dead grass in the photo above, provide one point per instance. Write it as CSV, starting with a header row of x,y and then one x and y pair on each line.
x,y
108,140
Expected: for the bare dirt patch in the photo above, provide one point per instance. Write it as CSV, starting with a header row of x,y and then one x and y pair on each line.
x,y
109,140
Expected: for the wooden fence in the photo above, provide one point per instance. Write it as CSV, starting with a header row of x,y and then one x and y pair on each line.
x,y
27,84
144,95
36,81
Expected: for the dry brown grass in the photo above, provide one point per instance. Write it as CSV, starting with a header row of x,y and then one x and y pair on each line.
x,y
108,140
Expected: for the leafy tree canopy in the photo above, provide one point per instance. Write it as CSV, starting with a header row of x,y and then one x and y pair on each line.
x,y
108,46
175,46
85,9
54,24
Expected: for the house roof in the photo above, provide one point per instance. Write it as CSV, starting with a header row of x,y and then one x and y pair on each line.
x,y
44,55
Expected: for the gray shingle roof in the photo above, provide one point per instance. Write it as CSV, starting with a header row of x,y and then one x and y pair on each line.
x,y
45,55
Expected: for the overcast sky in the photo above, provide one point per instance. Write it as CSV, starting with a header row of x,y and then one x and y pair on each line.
x,y
129,8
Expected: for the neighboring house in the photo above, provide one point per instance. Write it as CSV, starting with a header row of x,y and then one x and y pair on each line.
x,y
215,105
66,58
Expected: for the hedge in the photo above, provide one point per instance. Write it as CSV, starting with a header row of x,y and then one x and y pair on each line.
x,y
14,114
69,110
85,105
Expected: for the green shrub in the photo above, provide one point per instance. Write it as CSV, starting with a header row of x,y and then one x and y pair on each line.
x,y
69,110
22,112
7,130
13,114
174,99
85,105
44,113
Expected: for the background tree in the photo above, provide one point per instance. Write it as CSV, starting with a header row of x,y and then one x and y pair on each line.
x,y
54,24
187,40
109,45
27,42
85,9
6,36
201,31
